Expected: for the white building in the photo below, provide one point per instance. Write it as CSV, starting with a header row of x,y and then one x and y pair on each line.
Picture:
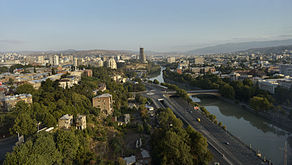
x,y
112,63
51,60
171,59
56,60
75,62
99,63
41,59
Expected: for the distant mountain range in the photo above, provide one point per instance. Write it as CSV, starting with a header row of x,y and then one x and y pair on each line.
x,y
241,46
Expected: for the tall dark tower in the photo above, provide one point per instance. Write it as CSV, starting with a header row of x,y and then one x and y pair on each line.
x,y
142,56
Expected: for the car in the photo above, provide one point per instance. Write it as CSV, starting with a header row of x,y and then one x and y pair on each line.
x,y
198,119
227,143
216,163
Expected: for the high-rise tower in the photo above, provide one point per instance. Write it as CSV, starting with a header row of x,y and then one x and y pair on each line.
x,y
142,56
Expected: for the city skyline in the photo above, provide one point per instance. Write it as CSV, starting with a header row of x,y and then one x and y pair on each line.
x,y
159,26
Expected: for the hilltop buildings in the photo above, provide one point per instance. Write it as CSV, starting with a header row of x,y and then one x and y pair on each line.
x,y
65,122
81,122
104,102
9,102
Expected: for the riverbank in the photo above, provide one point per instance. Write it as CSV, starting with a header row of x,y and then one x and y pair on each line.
x,y
184,86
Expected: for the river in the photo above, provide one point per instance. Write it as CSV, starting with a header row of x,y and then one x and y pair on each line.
x,y
159,77
253,130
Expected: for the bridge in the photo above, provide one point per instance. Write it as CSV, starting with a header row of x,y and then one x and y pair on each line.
x,y
214,92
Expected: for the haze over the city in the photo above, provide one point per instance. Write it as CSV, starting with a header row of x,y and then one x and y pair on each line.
x,y
156,25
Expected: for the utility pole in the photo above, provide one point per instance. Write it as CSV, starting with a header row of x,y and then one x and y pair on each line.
x,y
285,153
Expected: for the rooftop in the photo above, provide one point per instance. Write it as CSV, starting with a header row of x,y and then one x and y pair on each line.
x,y
104,95
66,117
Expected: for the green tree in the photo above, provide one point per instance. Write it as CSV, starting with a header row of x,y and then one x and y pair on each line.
x,y
25,88
24,124
67,144
41,149
156,81
199,147
260,103
227,91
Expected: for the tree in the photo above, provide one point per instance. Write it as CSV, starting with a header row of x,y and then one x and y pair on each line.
x,y
260,103
199,147
10,81
24,124
41,149
67,144
45,146
172,144
3,69
156,81
227,91
25,88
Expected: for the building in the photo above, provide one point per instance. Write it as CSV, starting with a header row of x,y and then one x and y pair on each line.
x,y
75,62
131,160
268,85
68,82
111,63
81,122
9,102
123,120
99,63
65,122
179,71
144,157
51,60
286,69
101,87
183,64
56,60
88,72
104,102
142,56
119,78
285,83
199,60
41,59
171,59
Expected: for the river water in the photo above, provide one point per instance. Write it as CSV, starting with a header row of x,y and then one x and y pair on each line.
x,y
159,77
251,129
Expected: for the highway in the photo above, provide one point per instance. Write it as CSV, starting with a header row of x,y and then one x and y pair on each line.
x,y
225,148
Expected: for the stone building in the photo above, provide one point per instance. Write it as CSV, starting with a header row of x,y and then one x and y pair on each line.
x,y
66,121
104,102
81,122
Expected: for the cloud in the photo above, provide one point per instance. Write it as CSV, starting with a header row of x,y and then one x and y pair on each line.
x,y
11,42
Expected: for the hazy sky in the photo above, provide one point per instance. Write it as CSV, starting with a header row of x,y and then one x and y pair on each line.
x,y
160,25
